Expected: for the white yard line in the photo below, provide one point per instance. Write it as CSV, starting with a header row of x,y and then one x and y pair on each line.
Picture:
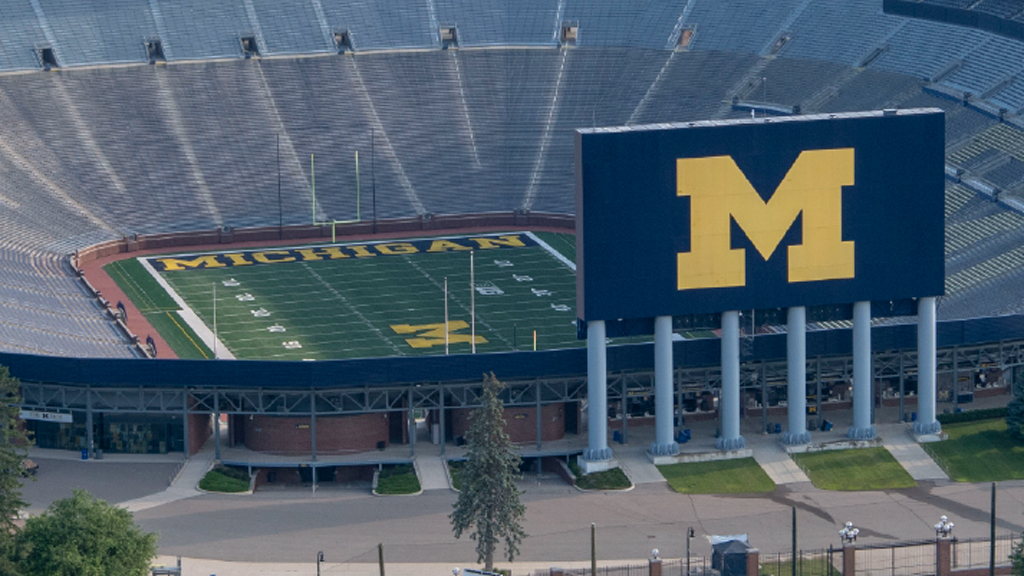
x,y
561,258
190,317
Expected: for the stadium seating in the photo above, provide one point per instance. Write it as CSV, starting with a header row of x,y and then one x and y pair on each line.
x,y
95,150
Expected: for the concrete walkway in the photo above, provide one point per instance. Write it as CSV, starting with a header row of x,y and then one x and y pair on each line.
x,y
184,484
897,440
633,458
430,469
776,463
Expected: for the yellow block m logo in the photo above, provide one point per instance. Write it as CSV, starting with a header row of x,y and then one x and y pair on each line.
x,y
719,190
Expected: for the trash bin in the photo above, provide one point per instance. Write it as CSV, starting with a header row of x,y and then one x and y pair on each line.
x,y
99,454
85,453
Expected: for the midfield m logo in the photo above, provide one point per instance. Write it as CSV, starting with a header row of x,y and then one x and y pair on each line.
x,y
720,193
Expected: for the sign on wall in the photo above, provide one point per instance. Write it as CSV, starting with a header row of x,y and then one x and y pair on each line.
x,y
707,217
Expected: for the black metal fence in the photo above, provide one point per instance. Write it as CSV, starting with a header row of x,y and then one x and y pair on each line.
x,y
974,552
824,562
912,558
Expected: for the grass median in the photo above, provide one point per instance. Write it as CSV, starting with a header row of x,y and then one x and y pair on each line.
x,y
736,476
856,469
982,451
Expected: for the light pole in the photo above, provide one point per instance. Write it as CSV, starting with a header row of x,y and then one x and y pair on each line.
x,y
373,178
280,213
689,536
319,559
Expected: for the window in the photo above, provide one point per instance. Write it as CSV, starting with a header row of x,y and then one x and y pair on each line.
x,y
570,32
249,46
449,37
343,41
686,38
47,57
155,50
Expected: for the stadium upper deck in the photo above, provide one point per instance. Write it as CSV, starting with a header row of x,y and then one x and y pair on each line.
x,y
96,151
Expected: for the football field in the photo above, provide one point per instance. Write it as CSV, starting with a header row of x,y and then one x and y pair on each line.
x,y
361,299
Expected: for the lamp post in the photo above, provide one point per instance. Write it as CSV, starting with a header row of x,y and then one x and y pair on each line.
x,y
689,536
319,559
848,535
944,528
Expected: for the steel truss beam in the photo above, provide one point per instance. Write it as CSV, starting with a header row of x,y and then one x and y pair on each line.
x,y
428,395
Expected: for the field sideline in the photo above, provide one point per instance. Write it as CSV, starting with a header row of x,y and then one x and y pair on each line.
x,y
361,299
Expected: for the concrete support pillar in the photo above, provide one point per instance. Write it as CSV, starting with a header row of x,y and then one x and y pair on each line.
x,y
729,403
312,427
597,394
926,393
796,377
411,424
216,425
539,417
90,443
441,412
185,426
862,378
664,444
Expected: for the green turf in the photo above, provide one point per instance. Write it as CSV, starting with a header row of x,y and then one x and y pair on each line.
x,y
736,476
158,307
398,479
356,308
217,481
563,243
980,451
147,295
181,338
859,469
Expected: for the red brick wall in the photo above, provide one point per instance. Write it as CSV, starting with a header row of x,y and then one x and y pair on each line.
x,y
521,422
199,430
291,434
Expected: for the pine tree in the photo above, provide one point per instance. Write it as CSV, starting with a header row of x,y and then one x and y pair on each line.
x,y
13,450
489,501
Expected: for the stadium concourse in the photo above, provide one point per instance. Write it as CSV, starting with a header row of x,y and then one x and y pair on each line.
x,y
147,124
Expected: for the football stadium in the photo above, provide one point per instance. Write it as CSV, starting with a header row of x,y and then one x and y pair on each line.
x,y
323,222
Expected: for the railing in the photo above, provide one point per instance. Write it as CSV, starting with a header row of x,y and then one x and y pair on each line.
x,y
624,570
974,552
915,558
824,562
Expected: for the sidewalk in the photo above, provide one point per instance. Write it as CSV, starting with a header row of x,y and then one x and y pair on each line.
x,y
897,440
183,486
204,567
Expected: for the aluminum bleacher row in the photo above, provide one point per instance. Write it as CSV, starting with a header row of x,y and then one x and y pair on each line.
x,y
96,150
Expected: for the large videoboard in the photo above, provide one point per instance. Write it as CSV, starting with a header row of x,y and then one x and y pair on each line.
x,y
706,217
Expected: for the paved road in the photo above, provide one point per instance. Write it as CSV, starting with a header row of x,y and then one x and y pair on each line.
x,y
347,524
111,481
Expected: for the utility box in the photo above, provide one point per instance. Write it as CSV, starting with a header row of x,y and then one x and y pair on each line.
x,y
730,558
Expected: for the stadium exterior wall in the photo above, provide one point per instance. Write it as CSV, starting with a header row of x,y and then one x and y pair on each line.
x,y
334,434
371,372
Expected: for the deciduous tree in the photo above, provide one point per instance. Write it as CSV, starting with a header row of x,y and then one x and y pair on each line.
x,y
84,536
488,507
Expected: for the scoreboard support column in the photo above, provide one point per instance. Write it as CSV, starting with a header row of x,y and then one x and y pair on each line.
x,y
926,423
597,456
862,428
796,377
729,403
663,444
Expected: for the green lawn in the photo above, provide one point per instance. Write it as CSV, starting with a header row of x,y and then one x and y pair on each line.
x,y
736,476
614,479
378,299
980,451
398,479
859,469
219,480
455,470
817,566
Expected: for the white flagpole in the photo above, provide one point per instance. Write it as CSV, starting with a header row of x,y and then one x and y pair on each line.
x,y
472,304
446,315
214,320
